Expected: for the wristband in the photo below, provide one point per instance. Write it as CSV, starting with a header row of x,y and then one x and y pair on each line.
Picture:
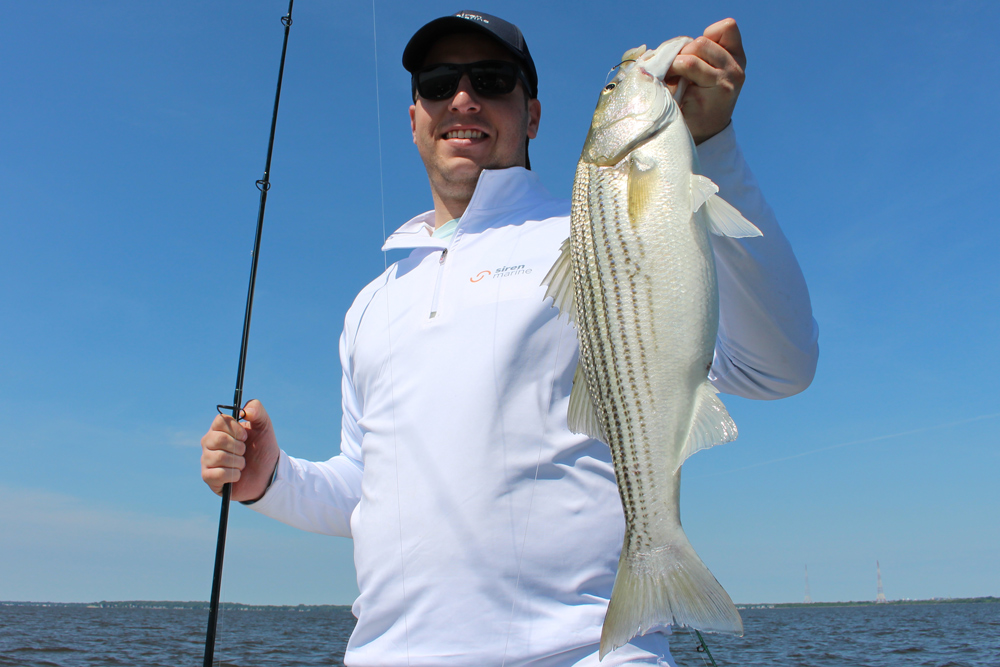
x,y
274,475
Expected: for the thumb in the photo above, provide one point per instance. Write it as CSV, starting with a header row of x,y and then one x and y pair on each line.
x,y
256,415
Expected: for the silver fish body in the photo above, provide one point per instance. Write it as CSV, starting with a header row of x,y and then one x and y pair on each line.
x,y
637,276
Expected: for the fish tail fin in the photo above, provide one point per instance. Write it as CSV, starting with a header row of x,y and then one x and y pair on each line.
x,y
670,586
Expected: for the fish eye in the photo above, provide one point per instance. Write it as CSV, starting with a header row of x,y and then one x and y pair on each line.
x,y
610,86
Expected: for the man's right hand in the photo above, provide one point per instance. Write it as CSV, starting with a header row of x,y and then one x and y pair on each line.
x,y
243,453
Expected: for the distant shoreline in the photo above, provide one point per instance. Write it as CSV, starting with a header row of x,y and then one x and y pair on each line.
x,y
197,605
239,606
865,603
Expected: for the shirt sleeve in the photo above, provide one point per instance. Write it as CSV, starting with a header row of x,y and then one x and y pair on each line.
x,y
320,496
767,345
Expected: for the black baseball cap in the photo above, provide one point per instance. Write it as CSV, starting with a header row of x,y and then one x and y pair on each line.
x,y
506,34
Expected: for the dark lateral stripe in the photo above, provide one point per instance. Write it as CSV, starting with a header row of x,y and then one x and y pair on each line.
x,y
591,306
640,383
631,404
611,209
612,232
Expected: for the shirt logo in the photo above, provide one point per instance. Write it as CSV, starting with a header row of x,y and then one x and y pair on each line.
x,y
502,272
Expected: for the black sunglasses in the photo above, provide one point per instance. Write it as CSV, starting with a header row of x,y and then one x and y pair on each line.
x,y
488,77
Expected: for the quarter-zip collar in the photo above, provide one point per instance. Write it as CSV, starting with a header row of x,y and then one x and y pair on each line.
x,y
496,190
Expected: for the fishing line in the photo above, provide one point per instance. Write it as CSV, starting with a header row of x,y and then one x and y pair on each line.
x,y
388,333
534,481
263,185
395,455
852,442
703,648
378,120
503,438
613,69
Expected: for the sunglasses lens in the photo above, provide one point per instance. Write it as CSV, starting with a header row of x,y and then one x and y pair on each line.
x,y
494,78
439,82
490,77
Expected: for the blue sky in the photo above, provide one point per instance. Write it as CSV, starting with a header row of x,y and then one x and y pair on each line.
x,y
131,137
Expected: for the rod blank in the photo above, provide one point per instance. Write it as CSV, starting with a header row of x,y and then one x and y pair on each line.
x,y
264,184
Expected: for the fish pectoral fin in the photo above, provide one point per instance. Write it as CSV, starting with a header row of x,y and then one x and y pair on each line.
x,y
642,183
711,424
702,188
723,219
582,415
559,281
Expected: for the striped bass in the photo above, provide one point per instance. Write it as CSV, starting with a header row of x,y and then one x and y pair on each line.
x,y
637,277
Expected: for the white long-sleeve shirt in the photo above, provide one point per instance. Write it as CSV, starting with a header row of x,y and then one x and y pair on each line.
x,y
485,532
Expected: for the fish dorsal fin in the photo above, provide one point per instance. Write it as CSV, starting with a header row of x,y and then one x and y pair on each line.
x,y
721,217
633,54
711,424
582,415
559,281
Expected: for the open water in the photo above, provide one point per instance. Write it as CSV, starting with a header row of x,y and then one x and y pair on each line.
x,y
938,635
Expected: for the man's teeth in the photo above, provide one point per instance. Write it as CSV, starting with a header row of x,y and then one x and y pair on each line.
x,y
465,134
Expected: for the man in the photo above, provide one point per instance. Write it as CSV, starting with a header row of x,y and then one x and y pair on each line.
x,y
486,532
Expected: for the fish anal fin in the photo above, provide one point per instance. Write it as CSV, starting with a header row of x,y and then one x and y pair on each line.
x,y
711,424
582,415
642,185
559,281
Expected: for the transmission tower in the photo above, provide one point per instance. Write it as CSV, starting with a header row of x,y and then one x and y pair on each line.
x,y
808,599
880,597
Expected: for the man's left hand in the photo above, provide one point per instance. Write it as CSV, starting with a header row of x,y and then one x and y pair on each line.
x,y
714,65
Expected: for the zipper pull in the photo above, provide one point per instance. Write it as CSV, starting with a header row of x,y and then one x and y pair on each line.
x,y
437,286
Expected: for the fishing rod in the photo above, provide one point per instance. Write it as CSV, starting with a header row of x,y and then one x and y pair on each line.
x,y
703,648
264,184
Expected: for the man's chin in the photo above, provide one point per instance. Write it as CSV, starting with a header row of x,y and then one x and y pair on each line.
x,y
462,174
462,167
459,170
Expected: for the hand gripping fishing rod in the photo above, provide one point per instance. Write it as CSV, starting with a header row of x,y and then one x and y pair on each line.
x,y
263,185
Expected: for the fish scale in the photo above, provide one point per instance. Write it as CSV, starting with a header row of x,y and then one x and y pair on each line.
x,y
637,278
632,448
594,305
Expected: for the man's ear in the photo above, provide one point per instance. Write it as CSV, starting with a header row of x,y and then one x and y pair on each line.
x,y
413,122
534,117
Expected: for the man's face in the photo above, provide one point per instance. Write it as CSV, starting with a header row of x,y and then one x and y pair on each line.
x,y
498,125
